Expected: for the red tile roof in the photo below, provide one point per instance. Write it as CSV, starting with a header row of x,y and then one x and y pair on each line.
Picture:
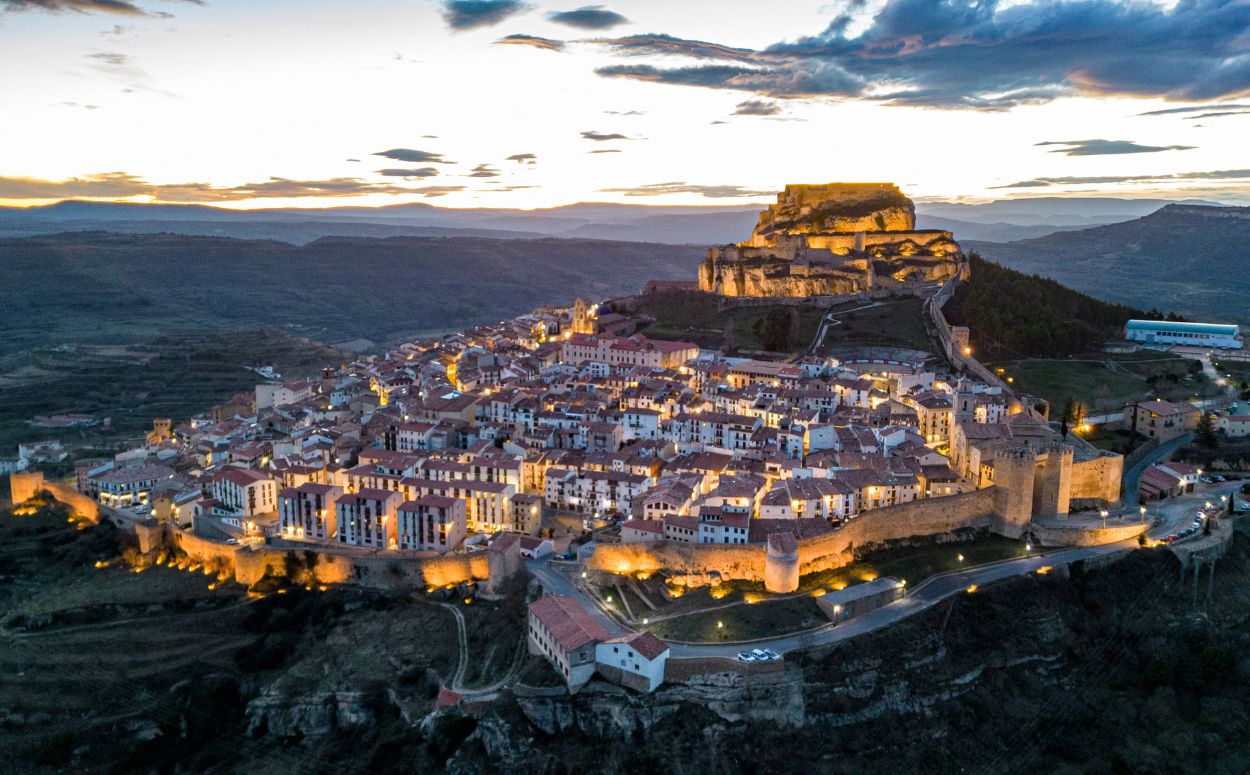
x,y
571,625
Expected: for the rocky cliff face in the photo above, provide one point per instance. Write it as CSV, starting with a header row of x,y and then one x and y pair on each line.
x,y
834,207
834,239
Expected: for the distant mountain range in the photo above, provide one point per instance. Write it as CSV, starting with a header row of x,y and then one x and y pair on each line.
x,y
102,287
1190,259
999,221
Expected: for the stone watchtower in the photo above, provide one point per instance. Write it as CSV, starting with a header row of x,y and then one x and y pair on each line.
x,y
781,563
1053,482
1014,472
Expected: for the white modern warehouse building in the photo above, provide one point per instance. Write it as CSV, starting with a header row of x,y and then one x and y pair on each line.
x,y
1216,335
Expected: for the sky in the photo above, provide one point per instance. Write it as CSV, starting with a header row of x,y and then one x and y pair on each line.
x,y
537,103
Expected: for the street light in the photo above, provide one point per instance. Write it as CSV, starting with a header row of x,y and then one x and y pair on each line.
x,y
1104,517
1142,511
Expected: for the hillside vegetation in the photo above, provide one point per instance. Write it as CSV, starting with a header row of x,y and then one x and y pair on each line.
x,y
1192,258
97,287
1017,315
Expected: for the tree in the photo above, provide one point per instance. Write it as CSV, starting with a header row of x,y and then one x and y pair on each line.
x,y
1206,432
773,330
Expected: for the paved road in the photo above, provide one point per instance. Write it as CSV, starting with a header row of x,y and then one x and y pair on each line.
x,y
1175,514
555,583
1131,481
924,596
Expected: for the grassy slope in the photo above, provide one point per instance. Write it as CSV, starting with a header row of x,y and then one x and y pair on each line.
x,y
1097,386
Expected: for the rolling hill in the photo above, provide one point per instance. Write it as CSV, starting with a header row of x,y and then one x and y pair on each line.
x,y
99,287
1189,259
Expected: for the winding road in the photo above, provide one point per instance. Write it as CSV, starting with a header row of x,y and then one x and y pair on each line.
x,y
1173,515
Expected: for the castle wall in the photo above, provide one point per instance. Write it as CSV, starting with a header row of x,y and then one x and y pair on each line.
x,y
1052,535
250,564
695,562
24,485
1098,479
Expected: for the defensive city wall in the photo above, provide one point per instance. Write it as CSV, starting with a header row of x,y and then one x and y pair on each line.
x,y
1006,509
24,485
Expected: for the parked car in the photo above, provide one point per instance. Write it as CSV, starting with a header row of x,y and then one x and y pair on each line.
x,y
760,654
746,656
772,654
1171,538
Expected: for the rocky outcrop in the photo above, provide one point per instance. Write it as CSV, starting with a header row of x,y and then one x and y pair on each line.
x,y
835,239
602,709
309,715
832,208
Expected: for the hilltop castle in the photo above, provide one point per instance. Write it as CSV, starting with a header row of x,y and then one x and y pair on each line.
x,y
834,239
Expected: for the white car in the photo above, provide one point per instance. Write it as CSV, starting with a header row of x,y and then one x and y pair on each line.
x,y
746,656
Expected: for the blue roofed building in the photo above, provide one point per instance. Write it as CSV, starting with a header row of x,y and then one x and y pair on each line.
x,y
1217,335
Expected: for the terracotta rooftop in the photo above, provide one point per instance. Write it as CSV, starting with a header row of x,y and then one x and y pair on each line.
x,y
571,625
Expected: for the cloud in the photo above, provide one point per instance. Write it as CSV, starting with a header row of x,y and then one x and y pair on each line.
x,y
625,112
122,185
413,155
75,105
667,45
757,108
501,189
1108,147
471,14
978,54
605,150
115,7
1177,177
602,137
401,172
1193,109
484,171
122,68
429,192
523,158
547,44
1218,114
588,17
711,192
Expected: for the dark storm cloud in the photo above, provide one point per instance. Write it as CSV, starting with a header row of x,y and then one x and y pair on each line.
x,y
588,17
547,44
1179,177
413,155
757,108
1108,147
117,185
471,14
416,172
979,54
661,189
524,158
602,137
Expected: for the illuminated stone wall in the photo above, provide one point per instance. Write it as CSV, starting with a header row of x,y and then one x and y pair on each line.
x,y
1099,479
695,563
24,485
